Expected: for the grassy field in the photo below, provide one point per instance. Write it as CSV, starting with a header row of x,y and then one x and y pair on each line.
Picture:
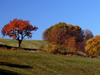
x,y
19,62
34,44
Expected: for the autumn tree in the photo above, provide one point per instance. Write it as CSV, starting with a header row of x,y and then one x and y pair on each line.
x,y
87,34
93,46
18,29
64,34
62,31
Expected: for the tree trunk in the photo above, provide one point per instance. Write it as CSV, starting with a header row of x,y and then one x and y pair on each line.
x,y
19,43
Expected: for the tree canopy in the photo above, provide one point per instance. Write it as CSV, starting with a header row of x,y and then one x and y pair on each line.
x,y
18,29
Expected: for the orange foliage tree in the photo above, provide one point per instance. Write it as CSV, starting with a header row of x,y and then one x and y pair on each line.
x,y
62,29
18,29
65,34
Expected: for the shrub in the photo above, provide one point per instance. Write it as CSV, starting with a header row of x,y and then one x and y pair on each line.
x,y
93,46
52,48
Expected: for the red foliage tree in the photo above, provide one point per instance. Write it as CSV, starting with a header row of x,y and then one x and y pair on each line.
x,y
18,29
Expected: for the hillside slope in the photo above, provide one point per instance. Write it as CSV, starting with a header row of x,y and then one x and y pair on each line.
x,y
33,44
19,62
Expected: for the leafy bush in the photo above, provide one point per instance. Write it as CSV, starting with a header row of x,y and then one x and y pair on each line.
x,y
93,46
52,48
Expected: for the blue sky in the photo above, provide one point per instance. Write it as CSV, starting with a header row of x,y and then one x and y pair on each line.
x,y
45,13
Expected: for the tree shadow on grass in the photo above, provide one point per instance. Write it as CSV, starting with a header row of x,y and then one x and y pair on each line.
x,y
15,65
7,72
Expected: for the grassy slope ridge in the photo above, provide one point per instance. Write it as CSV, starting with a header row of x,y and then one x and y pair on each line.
x,y
18,62
35,44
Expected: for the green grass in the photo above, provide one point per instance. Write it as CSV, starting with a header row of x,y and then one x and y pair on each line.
x,y
19,62
34,44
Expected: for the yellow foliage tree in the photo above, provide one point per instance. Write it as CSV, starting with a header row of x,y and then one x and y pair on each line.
x,y
93,46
